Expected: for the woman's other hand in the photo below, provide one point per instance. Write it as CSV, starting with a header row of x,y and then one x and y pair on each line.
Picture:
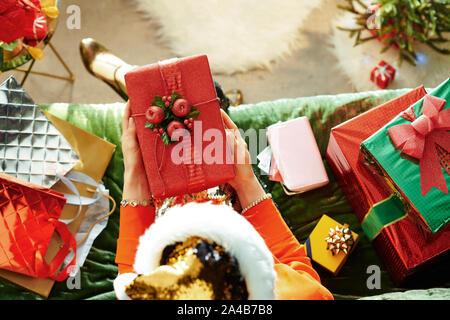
x,y
245,183
135,180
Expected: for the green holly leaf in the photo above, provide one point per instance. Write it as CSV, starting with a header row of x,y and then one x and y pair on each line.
x,y
149,125
175,95
159,104
157,101
194,113
168,116
165,138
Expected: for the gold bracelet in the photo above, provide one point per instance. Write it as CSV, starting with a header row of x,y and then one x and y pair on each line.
x,y
135,203
254,203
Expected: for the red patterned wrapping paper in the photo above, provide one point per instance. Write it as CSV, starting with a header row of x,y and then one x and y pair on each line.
x,y
404,246
191,77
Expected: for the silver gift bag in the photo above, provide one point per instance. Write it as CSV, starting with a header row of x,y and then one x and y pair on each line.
x,y
31,148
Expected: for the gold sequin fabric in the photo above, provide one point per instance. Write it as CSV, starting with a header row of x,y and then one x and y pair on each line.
x,y
195,269
222,194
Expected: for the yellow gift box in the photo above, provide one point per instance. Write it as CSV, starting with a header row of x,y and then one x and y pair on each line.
x,y
320,251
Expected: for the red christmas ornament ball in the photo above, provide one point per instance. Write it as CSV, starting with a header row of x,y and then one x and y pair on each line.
x,y
174,125
181,108
154,115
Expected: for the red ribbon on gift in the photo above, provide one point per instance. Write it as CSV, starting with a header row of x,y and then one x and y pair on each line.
x,y
419,139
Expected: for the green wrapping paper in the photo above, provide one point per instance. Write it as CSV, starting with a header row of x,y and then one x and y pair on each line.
x,y
402,173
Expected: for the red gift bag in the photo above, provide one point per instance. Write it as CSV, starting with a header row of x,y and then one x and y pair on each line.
x,y
191,79
29,217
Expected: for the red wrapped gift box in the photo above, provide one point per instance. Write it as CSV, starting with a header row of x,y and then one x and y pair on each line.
x,y
29,216
403,246
382,75
191,78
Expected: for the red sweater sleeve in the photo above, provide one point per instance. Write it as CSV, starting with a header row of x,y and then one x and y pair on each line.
x,y
266,219
133,223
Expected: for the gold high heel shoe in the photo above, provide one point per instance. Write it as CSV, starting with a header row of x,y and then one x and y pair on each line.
x,y
102,64
235,96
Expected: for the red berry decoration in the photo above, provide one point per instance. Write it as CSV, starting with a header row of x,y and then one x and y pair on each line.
x,y
174,125
168,114
181,108
154,115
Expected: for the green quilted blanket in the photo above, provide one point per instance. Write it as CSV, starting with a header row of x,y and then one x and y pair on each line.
x,y
301,212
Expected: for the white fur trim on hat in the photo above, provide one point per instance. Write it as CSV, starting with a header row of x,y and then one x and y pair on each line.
x,y
216,223
121,282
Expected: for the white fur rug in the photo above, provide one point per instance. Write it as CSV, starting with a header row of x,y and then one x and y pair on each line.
x,y
237,35
357,62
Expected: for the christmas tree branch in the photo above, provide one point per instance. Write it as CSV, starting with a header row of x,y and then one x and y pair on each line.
x,y
402,23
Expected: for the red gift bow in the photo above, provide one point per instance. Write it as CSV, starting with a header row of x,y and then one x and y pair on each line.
x,y
384,72
419,140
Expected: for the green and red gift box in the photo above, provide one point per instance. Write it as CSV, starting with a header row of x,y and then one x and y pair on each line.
x,y
411,154
403,245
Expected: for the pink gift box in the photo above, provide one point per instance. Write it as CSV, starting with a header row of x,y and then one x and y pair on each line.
x,y
296,155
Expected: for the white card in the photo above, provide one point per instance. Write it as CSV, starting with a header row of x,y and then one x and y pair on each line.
x,y
265,158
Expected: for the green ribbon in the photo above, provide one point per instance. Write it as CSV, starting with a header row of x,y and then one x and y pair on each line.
x,y
383,214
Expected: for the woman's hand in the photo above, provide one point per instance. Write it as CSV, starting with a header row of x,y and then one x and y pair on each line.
x,y
245,183
135,180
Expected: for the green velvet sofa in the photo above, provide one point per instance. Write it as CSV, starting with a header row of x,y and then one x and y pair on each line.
x,y
301,212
